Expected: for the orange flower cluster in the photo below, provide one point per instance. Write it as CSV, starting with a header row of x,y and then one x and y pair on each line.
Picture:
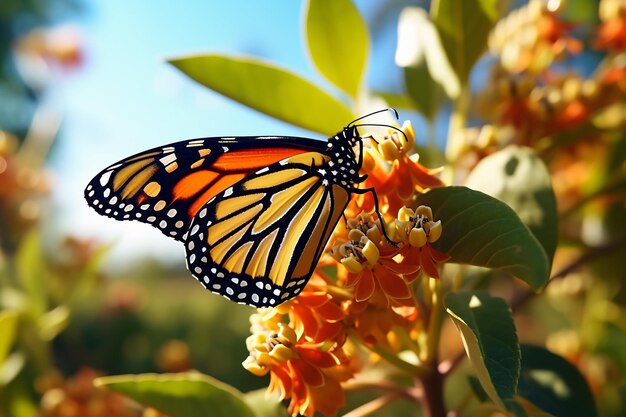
x,y
306,359
362,297
531,37
525,93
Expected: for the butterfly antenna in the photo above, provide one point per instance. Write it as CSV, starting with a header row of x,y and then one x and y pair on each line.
x,y
391,109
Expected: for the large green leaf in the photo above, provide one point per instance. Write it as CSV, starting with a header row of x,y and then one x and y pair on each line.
x,y
269,89
464,27
488,332
189,394
483,231
338,42
517,176
263,405
553,384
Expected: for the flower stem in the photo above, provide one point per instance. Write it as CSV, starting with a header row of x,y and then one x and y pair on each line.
x,y
373,406
393,359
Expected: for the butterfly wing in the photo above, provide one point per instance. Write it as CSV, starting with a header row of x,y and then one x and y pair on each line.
x,y
258,241
166,186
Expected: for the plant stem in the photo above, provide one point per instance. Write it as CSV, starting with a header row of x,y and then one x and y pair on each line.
x,y
432,380
432,388
372,406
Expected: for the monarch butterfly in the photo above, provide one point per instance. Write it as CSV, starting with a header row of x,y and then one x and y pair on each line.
x,y
254,212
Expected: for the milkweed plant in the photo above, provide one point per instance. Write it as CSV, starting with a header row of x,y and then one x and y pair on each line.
x,y
515,223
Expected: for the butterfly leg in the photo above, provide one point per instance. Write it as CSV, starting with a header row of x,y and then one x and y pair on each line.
x,y
377,209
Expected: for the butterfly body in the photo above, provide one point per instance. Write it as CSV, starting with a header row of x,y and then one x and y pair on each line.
x,y
254,213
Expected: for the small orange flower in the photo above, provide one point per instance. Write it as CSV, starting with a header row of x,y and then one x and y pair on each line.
x,y
308,373
417,230
314,313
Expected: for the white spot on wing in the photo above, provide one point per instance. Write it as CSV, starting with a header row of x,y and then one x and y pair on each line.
x,y
104,178
166,160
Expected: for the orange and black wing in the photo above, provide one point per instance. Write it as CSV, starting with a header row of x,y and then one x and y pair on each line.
x,y
258,241
167,186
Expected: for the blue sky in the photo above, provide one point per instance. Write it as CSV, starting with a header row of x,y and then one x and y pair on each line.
x,y
126,98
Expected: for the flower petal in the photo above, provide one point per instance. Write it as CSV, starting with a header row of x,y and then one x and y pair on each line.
x,y
317,357
310,374
427,262
365,286
391,284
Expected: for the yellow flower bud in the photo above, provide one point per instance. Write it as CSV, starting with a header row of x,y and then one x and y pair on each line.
x,y
369,161
286,334
407,128
424,211
281,353
263,358
417,237
374,234
389,150
355,234
256,341
435,231
400,230
405,214
253,367
352,264
371,253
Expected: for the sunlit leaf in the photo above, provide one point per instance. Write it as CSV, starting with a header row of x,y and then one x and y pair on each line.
x,y
264,406
8,328
517,176
11,366
553,384
53,322
269,89
483,231
490,340
338,42
464,27
395,100
420,47
30,271
189,394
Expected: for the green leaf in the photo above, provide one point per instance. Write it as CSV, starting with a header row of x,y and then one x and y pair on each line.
x,y
8,330
483,231
426,95
488,332
464,28
517,176
11,367
395,100
30,271
269,89
338,42
189,394
264,406
53,322
553,384
420,48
